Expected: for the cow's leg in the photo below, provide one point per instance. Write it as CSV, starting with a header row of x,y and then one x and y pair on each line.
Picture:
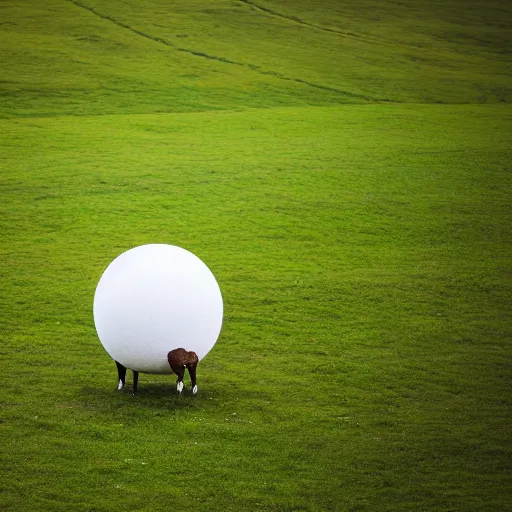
x,y
135,381
192,372
180,372
121,374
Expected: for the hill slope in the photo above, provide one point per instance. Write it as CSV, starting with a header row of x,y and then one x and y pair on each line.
x,y
90,56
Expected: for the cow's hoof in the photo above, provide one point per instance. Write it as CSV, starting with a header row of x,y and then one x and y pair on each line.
x,y
120,385
194,390
179,387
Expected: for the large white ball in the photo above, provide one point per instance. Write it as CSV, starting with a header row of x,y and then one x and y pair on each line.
x,y
155,298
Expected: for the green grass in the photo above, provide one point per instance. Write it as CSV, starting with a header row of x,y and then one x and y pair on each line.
x,y
95,57
360,234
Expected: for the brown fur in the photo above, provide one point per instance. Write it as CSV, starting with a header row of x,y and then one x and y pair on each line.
x,y
179,360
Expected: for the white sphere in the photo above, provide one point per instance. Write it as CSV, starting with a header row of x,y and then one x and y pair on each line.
x,y
155,298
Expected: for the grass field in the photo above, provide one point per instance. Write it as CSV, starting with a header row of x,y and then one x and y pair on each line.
x,y
343,168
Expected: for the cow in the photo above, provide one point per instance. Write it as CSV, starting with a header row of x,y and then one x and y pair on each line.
x,y
179,360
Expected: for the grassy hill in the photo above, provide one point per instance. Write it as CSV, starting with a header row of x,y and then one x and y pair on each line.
x,y
96,57
344,170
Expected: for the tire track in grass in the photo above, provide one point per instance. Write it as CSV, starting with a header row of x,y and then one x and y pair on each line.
x,y
253,67
297,20
120,24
